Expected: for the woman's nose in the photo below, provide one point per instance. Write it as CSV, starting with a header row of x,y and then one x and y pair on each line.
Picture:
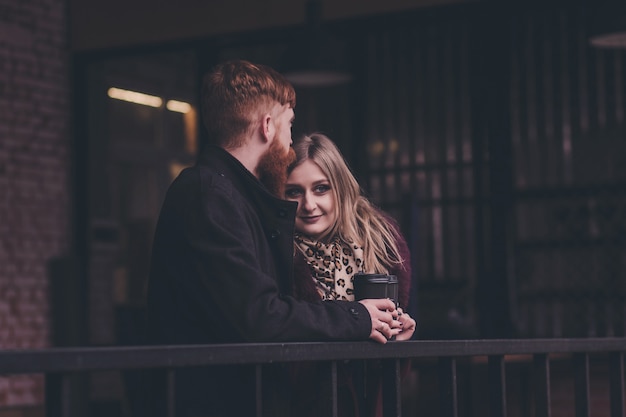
x,y
308,203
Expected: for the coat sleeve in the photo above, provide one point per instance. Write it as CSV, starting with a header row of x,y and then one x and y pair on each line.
x,y
207,278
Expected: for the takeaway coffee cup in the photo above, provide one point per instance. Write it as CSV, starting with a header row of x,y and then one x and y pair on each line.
x,y
376,286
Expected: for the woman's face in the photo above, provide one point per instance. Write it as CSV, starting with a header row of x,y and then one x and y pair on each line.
x,y
317,212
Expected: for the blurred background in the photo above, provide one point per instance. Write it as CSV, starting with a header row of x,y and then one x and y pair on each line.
x,y
493,131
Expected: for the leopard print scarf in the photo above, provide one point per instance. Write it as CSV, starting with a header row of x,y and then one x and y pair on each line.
x,y
332,265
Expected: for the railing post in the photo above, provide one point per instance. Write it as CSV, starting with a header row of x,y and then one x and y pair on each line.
x,y
270,400
55,397
258,369
171,392
448,401
392,399
541,379
581,382
616,377
65,394
497,386
329,390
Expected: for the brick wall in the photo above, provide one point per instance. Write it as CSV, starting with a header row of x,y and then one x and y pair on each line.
x,y
34,165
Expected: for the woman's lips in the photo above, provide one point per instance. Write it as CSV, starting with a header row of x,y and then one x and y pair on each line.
x,y
310,219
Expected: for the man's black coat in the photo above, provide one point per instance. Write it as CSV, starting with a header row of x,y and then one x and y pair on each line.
x,y
222,271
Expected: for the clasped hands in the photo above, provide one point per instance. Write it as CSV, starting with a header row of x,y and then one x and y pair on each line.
x,y
388,321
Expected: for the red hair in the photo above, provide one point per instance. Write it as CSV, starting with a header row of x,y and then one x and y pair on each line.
x,y
235,94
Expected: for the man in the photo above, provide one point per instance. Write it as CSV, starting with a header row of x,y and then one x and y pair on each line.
x,y
223,249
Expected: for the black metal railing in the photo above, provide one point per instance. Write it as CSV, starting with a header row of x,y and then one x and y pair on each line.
x,y
59,364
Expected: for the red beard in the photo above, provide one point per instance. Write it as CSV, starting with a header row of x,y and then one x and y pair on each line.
x,y
272,168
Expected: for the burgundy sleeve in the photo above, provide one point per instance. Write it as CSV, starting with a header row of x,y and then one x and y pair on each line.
x,y
403,271
304,287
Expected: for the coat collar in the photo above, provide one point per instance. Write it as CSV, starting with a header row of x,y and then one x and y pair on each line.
x,y
226,165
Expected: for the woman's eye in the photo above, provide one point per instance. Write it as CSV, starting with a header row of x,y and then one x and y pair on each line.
x,y
292,193
321,189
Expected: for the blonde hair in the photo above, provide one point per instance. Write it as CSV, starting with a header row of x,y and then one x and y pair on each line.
x,y
358,222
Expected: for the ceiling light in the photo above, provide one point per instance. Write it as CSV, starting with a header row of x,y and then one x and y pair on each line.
x,y
315,58
135,97
608,24
178,106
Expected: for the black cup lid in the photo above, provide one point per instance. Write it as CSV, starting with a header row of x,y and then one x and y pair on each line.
x,y
377,278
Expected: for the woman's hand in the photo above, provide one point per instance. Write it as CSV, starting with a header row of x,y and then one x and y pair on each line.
x,y
382,312
407,325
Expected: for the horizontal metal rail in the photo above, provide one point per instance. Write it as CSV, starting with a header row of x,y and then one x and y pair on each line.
x,y
135,357
59,364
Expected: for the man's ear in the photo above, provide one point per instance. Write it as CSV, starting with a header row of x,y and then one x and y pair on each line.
x,y
267,127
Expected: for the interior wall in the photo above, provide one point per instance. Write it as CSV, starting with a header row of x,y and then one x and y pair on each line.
x,y
34,178
118,23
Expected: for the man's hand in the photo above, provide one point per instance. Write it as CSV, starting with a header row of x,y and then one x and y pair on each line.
x,y
382,312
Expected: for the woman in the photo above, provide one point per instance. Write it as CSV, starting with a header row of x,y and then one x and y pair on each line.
x,y
338,234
